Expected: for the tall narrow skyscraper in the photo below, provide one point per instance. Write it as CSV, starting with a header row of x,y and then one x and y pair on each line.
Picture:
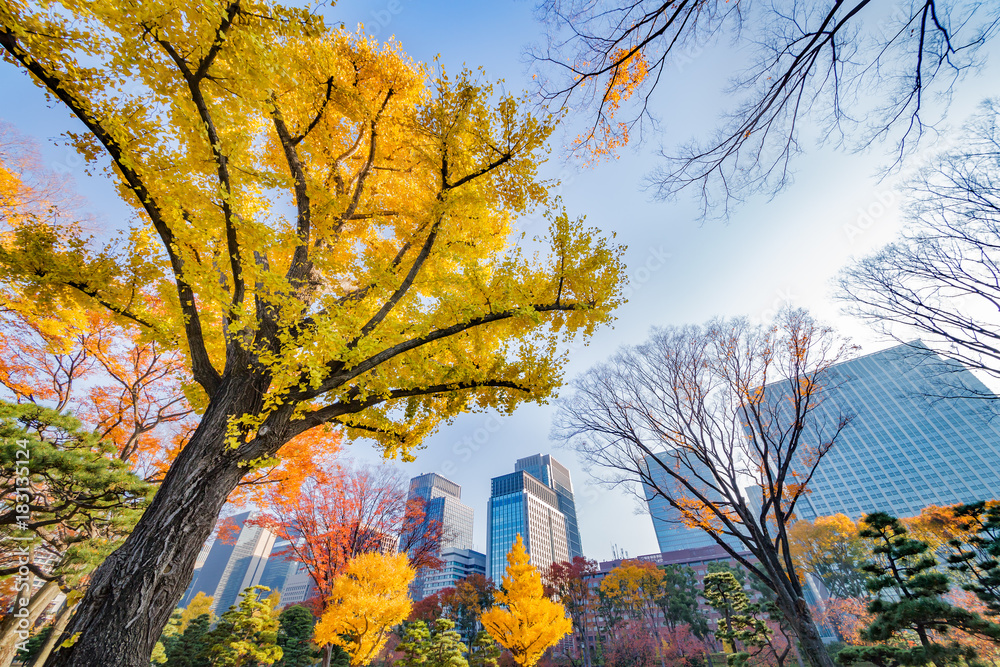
x,y
906,446
556,476
233,563
443,504
521,503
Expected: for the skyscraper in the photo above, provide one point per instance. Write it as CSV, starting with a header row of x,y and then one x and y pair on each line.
x,y
443,504
556,476
907,446
522,504
232,563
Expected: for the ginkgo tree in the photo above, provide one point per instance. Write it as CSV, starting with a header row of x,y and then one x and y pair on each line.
x,y
367,600
524,620
330,232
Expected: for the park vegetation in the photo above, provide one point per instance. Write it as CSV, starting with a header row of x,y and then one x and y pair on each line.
x,y
325,248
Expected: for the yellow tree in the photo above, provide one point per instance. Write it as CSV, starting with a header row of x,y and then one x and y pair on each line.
x,y
633,588
831,549
366,602
322,229
523,620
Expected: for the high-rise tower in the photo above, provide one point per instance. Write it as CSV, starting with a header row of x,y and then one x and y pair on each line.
x,y
443,504
556,476
913,440
529,506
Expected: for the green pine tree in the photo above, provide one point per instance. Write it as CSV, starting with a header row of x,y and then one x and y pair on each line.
x,y
908,599
484,651
191,648
34,645
678,600
977,558
440,646
247,634
171,633
742,623
295,631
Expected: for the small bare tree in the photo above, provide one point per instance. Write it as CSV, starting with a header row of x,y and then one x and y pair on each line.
x,y
941,278
696,414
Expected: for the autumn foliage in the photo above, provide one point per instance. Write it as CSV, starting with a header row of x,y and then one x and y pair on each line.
x,y
341,512
368,599
524,621
324,234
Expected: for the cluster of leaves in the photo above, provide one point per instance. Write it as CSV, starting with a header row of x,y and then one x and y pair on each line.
x,y
436,646
911,619
464,604
976,556
392,298
367,600
82,501
252,632
340,512
831,549
743,627
651,612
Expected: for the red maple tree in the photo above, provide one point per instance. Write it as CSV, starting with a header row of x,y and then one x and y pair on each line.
x,y
341,511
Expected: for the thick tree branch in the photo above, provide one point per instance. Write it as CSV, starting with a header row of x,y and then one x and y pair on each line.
x,y
203,372
341,375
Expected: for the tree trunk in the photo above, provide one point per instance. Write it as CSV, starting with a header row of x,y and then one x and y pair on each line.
x,y
586,644
801,622
327,653
9,637
132,594
62,620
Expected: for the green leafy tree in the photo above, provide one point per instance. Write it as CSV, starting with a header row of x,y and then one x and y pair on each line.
x,y
677,599
34,645
168,637
389,298
977,557
908,601
437,646
484,651
569,583
79,499
295,631
466,602
191,648
247,634
744,625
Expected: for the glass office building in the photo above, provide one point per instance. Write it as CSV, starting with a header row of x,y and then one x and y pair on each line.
x,y
556,476
444,505
521,504
914,439
456,564
671,533
229,565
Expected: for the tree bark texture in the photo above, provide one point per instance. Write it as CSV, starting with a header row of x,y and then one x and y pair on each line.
x,y
133,593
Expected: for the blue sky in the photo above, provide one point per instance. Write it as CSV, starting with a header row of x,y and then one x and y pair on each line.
x,y
771,252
